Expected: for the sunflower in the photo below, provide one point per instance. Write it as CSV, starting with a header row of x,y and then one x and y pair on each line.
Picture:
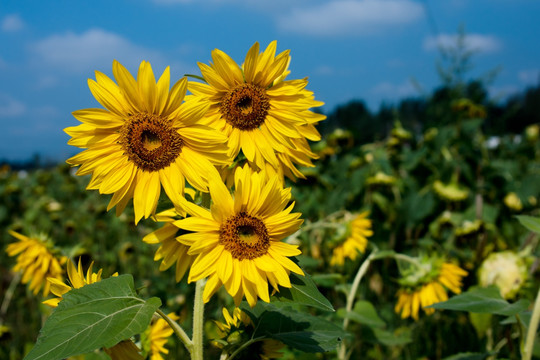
x,y
262,114
76,279
37,261
238,241
170,250
144,139
155,337
356,241
428,285
240,325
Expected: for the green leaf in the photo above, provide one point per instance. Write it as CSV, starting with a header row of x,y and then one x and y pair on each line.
x,y
531,223
364,313
327,280
303,291
483,300
393,338
296,329
94,316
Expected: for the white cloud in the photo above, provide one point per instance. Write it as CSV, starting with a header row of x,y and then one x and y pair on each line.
x,y
93,49
10,107
344,17
473,42
390,90
12,23
530,76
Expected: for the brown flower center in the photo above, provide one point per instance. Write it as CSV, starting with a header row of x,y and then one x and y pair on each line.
x,y
245,107
150,141
244,236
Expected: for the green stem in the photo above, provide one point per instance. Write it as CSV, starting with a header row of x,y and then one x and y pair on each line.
x,y
533,326
244,345
351,296
198,321
9,295
177,330
408,259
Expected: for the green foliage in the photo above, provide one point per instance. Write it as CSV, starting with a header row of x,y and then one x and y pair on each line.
x,y
94,316
296,329
303,291
483,300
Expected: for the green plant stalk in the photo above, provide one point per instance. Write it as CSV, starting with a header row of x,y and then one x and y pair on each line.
x,y
533,326
198,321
178,331
350,298
244,345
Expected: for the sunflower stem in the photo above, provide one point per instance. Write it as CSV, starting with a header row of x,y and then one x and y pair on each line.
x,y
198,320
533,326
177,330
350,299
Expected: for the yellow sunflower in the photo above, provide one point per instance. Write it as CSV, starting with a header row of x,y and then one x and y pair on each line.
x,y
155,337
356,241
238,241
144,139
428,286
170,250
37,261
76,279
262,114
239,324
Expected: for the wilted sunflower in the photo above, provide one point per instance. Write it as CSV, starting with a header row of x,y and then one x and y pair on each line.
x,y
356,241
170,250
77,280
145,138
260,112
240,325
155,337
426,286
37,261
238,241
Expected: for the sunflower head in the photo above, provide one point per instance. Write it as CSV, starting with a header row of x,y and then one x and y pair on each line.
x,y
37,260
264,116
76,278
170,250
155,337
238,242
427,283
144,139
355,239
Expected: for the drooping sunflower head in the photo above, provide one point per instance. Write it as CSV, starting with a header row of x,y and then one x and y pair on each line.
x,y
425,284
156,336
37,260
238,242
76,279
170,250
263,115
238,329
146,137
355,240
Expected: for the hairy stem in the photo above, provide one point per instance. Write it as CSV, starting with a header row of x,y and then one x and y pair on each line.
x,y
198,321
533,326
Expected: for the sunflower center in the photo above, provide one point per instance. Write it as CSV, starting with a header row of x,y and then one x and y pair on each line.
x,y
244,236
150,141
245,107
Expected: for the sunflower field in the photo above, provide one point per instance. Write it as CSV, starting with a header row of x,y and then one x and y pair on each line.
x,y
224,216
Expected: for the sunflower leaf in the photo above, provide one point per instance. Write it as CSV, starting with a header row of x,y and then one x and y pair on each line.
x,y
303,291
530,222
93,316
298,330
483,300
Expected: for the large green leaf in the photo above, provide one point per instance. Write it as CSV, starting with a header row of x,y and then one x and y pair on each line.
x,y
296,329
94,316
468,356
483,300
531,223
303,291
364,313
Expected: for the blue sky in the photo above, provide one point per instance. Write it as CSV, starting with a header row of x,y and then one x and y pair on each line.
x,y
376,50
